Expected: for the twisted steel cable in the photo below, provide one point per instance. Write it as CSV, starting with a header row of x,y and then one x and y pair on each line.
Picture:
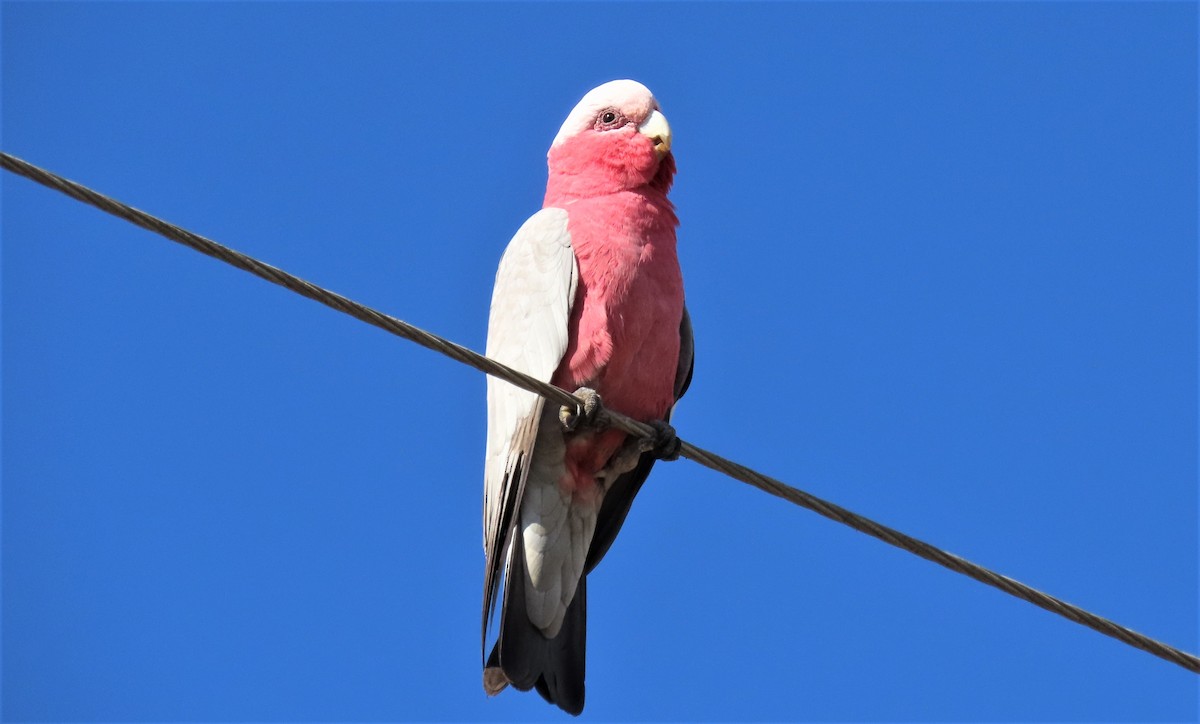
x,y
609,417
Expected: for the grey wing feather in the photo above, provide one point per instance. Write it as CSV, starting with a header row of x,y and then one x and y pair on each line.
x,y
687,356
527,330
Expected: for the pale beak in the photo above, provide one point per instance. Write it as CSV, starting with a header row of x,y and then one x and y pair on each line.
x,y
656,129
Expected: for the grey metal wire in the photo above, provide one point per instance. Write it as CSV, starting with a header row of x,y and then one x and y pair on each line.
x,y
612,417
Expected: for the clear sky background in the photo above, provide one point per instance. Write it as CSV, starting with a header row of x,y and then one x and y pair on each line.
x,y
942,265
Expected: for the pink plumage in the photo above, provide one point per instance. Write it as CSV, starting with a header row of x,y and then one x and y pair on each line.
x,y
623,333
589,294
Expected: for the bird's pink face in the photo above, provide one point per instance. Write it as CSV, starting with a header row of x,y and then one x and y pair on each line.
x,y
615,139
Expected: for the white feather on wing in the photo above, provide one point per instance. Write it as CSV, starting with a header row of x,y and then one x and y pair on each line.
x,y
527,330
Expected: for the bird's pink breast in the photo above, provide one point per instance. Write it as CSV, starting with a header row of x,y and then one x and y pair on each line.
x,y
624,326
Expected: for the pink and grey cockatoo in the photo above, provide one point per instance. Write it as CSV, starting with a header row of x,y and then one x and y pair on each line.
x,y
589,297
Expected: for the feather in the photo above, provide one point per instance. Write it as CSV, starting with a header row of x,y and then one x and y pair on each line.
x,y
527,330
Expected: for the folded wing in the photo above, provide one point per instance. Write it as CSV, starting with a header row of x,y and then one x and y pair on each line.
x,y
527,330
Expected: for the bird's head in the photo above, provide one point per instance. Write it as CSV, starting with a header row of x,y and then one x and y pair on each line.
x,y
615,139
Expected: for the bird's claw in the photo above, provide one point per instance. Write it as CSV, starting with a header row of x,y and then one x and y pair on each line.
x,y
588,414
664,444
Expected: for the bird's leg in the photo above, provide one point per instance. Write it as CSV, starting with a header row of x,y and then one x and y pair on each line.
x,y
664,444
589,414
622,461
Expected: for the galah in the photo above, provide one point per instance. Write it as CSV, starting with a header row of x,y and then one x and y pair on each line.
x,y
589,297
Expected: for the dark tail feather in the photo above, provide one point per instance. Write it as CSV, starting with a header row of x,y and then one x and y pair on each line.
x,y
524,657
561,682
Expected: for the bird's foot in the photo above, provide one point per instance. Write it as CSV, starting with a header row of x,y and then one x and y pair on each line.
x,y
589,414
664,444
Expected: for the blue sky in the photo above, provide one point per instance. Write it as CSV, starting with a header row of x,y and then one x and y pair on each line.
x,y
942,265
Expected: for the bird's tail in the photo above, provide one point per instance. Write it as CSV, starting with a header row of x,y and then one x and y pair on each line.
x,y
524,657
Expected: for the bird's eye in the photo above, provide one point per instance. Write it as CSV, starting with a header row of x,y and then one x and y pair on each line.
x,y
609,118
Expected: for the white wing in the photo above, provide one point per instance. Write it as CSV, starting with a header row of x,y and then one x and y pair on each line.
x,y
527,330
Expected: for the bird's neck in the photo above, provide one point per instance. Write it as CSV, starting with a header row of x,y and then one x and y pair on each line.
x,y
571,181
